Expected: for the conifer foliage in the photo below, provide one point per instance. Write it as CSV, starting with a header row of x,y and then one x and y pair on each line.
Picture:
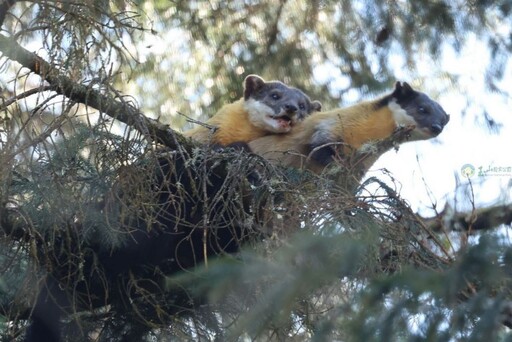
x,y
114,227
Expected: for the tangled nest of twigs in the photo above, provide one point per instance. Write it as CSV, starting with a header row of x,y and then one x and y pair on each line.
x,y
118,231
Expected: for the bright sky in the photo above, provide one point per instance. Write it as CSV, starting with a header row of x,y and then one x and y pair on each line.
x,y
465,140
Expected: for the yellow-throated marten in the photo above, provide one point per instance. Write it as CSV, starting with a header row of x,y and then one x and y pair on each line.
x,y
267,107
316,141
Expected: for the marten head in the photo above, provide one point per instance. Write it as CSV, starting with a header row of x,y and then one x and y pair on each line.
x,y
275,107
411,107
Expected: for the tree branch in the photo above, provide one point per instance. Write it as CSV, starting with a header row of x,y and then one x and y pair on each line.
x,y
113,107
486,219
400,135
274,29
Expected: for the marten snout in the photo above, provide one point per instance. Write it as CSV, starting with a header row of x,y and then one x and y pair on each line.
x,y
440,119
290,109
436,129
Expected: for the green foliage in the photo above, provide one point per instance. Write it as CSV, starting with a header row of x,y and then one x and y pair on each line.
x,y
319,288
333,264
273,291
69,181
430,305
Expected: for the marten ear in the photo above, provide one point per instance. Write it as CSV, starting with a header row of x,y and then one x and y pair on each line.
x,y
407,89
252,84
403,90
316,106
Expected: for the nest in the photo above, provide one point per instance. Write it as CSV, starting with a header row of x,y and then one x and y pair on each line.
x,y
112,238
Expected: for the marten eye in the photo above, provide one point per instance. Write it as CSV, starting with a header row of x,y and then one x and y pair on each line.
x,y
422,110
302,106
275,96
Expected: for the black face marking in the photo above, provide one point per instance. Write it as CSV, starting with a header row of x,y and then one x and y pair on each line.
x,y
427,113
285,101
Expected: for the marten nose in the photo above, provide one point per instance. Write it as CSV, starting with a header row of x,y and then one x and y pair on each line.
x,y
436,128
290,108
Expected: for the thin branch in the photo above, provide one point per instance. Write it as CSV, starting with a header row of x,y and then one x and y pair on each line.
x,y
479,219
23,95
113,107
400,135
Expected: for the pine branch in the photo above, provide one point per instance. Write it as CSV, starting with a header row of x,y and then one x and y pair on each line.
x,y
113,107
481,219
12,223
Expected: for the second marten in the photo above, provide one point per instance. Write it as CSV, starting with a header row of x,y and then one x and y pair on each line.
x,y
266,108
